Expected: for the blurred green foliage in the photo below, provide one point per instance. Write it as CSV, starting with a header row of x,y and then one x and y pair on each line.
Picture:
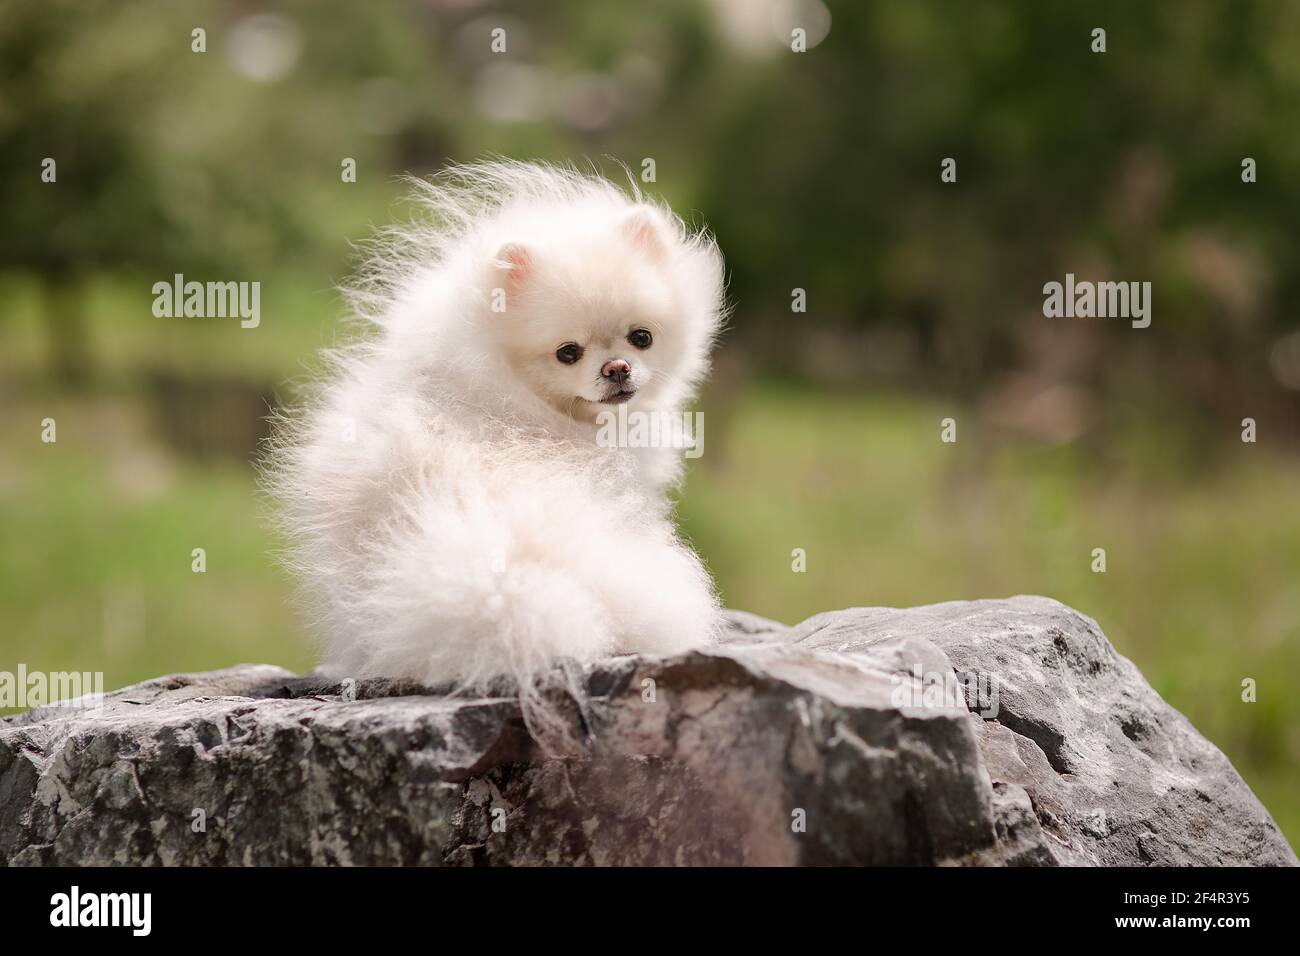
x,y
817,171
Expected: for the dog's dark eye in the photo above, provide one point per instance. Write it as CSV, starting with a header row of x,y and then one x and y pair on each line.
x,y
568,354
640,338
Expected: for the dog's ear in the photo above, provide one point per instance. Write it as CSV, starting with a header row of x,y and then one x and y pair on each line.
x,y
646,228
513,264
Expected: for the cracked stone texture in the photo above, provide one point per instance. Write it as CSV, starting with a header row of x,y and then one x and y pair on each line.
x,y
832,742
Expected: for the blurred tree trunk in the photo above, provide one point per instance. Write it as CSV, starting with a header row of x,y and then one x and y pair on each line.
x,y
65,321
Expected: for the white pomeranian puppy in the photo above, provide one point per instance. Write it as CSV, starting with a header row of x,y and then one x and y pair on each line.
x,y
454,516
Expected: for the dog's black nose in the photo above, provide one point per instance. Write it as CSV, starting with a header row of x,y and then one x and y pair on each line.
x,y
616,370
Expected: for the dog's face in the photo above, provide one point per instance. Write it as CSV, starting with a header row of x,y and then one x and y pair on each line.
x,y
593,317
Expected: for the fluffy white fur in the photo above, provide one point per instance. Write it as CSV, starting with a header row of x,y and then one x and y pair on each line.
x,y
452,515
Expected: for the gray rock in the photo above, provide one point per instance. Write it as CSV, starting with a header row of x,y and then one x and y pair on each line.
x,y
972,733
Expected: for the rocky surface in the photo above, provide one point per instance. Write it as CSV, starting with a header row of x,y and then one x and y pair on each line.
x,y
969,733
